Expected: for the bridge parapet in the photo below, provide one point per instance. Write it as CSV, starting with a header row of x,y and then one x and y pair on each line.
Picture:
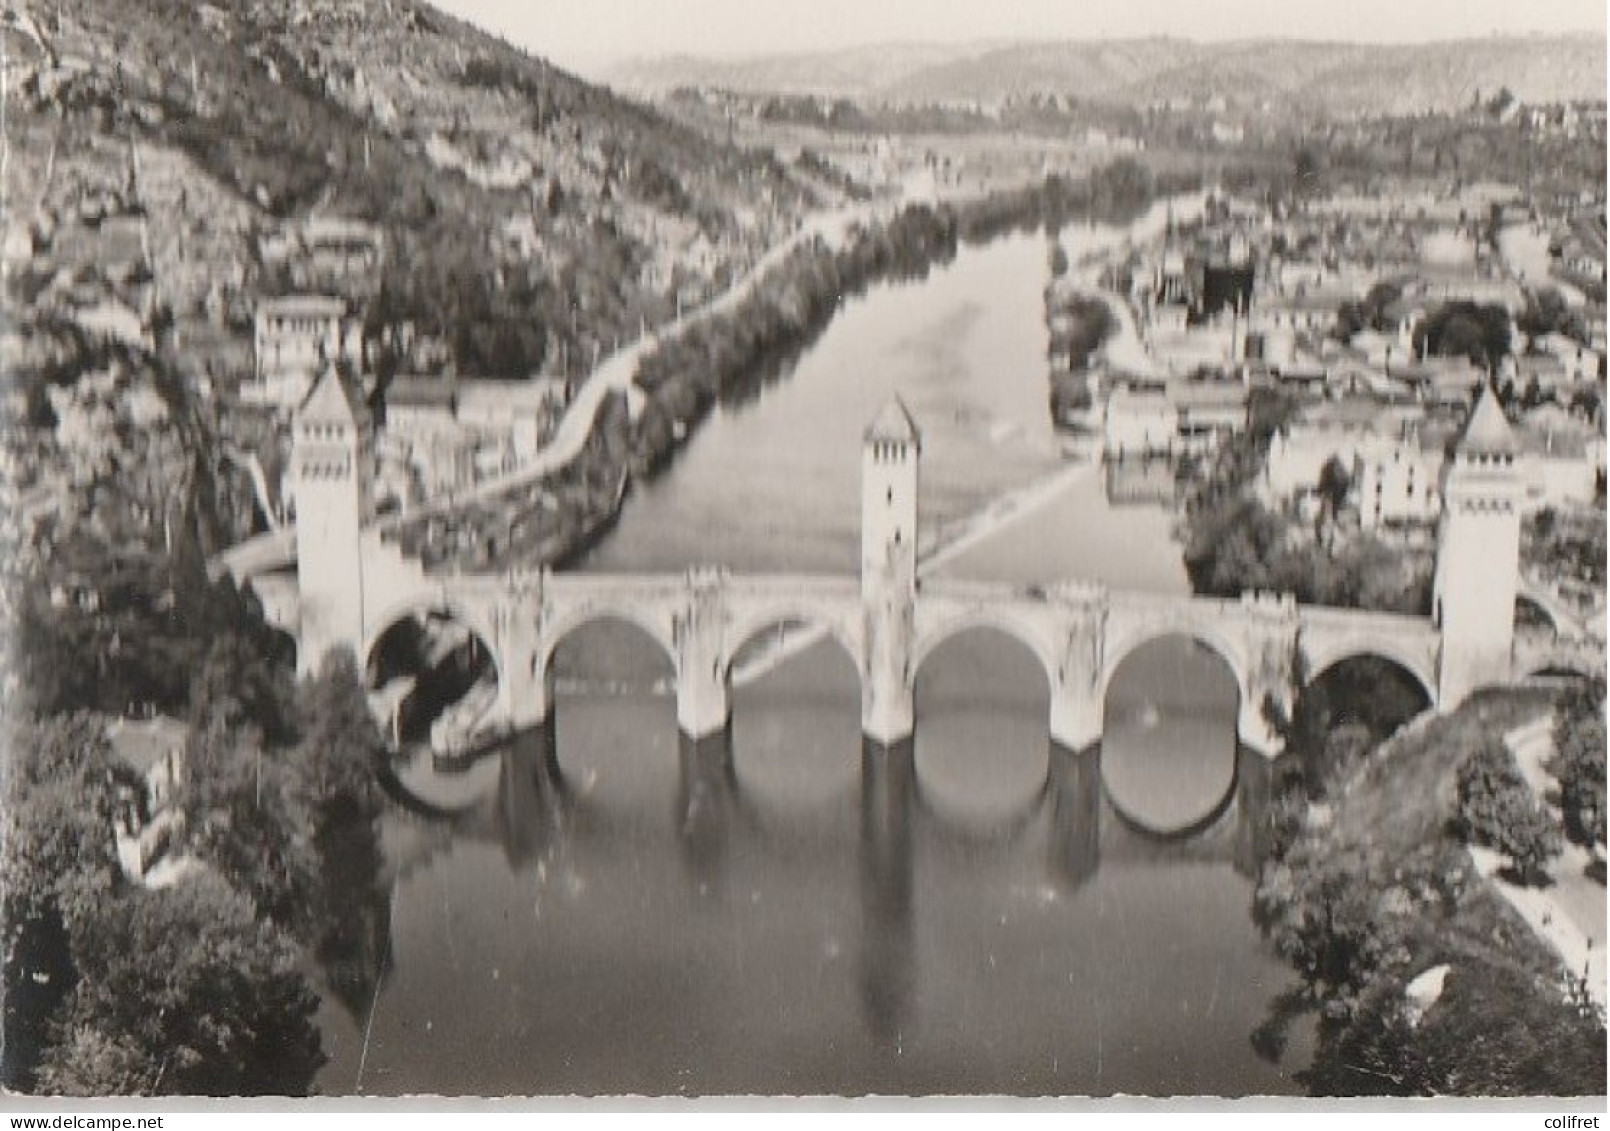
x,y
704,579
970,590
1269,603
1073,593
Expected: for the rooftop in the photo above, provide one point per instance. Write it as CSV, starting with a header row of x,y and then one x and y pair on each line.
x,y
1487,432
894,423
142,743
420,391
332,400
292,306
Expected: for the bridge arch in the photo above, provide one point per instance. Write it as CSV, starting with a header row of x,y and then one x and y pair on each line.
x,y
426,604
656,627
1319,660
1003,621
1547,610
1558,663
981,747
750,626
1120,648
1174,700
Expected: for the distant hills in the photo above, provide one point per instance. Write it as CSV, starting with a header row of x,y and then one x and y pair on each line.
x,y
1335,77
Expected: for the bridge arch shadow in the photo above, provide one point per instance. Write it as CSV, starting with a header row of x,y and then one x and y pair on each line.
x,y
982,746
794,692
1170,743
1377,653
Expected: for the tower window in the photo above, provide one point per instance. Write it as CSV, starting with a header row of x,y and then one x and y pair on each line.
x,y
889,496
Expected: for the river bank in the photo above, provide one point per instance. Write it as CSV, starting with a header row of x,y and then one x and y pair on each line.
x,y
670,382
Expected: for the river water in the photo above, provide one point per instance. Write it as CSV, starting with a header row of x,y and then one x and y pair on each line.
x,y
615,911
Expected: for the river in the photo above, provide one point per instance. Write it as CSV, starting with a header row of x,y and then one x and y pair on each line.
x,y
619,912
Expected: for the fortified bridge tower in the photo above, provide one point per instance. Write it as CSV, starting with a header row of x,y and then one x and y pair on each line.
x,y
354,585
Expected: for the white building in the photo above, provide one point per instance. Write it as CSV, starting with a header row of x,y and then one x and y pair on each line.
x,y
293,337
1139,422
1398,479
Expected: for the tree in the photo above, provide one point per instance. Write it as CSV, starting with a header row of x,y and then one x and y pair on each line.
x,y
341,743
1496,809
1547,312
1579,762
1465,329
242,685
1335,483
185,991
1059,260
1527,835
1324,918
241,816
57,861
1543,1045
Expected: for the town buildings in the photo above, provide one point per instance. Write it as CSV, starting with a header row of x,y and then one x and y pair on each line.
x,y
148,819
292,339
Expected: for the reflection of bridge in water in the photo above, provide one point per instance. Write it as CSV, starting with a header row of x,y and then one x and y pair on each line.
x,y
722,833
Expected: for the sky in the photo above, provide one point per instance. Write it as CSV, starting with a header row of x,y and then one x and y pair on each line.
x,y
586,34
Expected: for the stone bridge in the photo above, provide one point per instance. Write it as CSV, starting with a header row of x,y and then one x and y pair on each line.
x,y
1080,633
352,586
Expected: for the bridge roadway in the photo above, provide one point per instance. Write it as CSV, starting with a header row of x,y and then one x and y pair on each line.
x,y
1080,633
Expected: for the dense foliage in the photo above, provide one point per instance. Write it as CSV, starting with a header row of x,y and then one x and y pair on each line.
x,y
1479,332
1495,808
1578,763
199,987
1371,888
1566,546
724,356
1235,543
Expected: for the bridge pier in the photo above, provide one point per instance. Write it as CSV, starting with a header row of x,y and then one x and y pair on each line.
x,y
702,706
888,696
888,713
1078,715
525,698
1267,683
525,675
1256,776
1253,730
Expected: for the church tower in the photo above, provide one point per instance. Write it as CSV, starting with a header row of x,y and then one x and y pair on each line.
x,y
1478,554
330,481
889,458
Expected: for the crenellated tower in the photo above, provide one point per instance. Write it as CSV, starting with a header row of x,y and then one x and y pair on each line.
x,y
890,454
